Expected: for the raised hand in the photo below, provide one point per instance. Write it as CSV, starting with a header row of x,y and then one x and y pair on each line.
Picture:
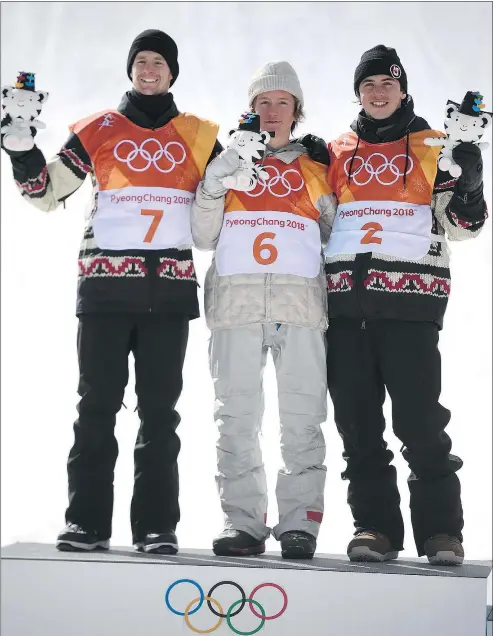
x,y
250,145
224,165
21,105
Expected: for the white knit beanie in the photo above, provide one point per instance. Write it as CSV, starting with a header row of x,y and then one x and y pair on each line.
x,y
275,76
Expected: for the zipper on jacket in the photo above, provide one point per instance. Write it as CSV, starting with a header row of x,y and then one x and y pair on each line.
x,y
152,260
357,283
360,263
268,295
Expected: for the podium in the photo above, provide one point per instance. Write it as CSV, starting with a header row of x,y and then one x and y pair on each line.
x,y
125,593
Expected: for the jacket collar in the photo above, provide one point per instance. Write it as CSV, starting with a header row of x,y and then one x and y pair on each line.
x,y
287,154
148,113
391,129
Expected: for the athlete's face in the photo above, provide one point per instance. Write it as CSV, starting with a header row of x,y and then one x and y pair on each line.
x,y
150,73
276,110
380,95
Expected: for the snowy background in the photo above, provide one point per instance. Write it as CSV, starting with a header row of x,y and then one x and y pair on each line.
x,y
79,55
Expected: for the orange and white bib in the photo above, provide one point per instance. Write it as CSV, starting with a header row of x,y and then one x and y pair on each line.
x,y
376,213
274,228
146,179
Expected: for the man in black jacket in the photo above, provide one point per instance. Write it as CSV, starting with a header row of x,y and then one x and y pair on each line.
x,y
137,289
388,282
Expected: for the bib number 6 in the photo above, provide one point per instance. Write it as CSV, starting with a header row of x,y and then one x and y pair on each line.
x,y
372,229
260,246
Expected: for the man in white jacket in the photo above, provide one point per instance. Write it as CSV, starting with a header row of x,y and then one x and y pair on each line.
x,y
266,290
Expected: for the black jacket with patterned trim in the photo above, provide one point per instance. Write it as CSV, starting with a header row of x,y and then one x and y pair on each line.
x,y
372,285
109,280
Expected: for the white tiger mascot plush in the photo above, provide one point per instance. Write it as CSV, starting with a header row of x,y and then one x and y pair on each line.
x,y
250,144
464,123
21,106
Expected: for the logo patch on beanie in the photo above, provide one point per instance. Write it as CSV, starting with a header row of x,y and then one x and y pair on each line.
x,y
395,71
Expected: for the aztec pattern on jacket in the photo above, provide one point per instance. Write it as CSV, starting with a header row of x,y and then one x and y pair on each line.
x,y
132,257
268,266
375,180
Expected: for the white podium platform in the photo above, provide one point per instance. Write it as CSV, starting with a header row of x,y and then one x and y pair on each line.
x,y
124,593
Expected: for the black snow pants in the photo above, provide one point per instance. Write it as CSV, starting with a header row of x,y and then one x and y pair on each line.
x,y
104,341
364,359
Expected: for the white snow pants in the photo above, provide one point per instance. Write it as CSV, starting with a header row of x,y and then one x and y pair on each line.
x,y
237,359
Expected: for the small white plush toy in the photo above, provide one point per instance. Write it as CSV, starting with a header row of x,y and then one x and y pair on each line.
x,y
250,144
21,106
464,123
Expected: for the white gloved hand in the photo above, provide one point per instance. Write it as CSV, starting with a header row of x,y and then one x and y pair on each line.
x,y
250,146
224,165
245,179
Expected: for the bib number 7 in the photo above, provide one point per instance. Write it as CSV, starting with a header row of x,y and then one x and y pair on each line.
x,y
158,215
261,246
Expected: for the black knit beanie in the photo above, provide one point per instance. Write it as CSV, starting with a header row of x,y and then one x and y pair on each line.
x,y
159,42
380,60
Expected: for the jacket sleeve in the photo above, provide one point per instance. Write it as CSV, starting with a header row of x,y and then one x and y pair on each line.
x,y
327,206
328,203
206,219
319,152
47,184
215,151
462,215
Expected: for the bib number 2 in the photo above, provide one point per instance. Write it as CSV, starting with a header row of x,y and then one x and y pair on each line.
x,y
158,215
372,229
261,246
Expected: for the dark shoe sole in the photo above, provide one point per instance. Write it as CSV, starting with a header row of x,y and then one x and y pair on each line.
x,y
76,546
446,557
250,551
157,548
296,553
364,554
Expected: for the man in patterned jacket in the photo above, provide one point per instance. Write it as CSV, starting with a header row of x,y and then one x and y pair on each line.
x,y
388,285
137,289
265,290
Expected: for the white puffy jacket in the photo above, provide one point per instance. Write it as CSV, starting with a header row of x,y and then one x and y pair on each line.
x,y
243,299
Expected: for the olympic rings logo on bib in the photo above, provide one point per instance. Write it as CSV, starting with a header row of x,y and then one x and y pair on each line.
x,y
378,170
229,614
141,152
279,185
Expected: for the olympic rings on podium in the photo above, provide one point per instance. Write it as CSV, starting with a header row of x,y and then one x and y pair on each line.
x,y
203,631
201,592
242,600
254,631
284,596
199,601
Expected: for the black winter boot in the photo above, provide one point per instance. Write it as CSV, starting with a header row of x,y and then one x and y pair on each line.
x,y
158,543
296,544
237,543
74,538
